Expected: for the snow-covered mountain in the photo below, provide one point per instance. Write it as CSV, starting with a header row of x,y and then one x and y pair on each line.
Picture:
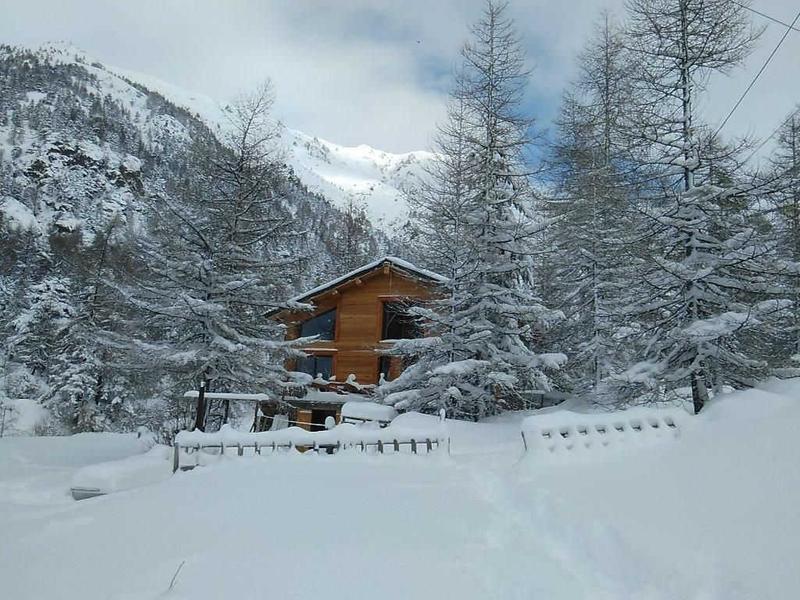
x,y
84,148
362,175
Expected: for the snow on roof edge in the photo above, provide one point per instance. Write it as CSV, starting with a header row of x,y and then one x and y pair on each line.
x,y
398,262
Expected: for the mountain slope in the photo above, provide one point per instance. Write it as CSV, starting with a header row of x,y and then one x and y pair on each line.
x,y
371,177
90,164
363,175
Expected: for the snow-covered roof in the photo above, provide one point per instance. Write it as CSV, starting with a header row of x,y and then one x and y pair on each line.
x,y
399,263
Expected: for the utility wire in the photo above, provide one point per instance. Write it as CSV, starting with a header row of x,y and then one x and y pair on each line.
x,y
760,71
766,16
763,143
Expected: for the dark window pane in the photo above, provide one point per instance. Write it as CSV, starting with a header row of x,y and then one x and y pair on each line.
x,y
316,365
323,325
306,365
397,323
324,366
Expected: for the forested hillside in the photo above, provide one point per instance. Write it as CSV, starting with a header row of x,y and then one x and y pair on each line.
x,y
97,174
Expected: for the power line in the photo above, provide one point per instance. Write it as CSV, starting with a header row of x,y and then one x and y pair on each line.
x,y
760,71
765,15
763,143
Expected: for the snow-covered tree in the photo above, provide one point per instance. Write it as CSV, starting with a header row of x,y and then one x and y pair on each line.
x,y
590,244
216,265
706,276
782,180
481,354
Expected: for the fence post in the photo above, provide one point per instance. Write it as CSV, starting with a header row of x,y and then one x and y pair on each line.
x,y
3,409
396,446
524,441
240,450
176,457
413,445
428,446
380,446
200,416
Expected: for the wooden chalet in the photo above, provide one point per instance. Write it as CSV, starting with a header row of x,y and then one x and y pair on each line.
x,y
354,317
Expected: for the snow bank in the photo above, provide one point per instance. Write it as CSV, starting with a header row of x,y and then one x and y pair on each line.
x,y
23,415
723,498
368,411
38,471
127,473
710,516
562,431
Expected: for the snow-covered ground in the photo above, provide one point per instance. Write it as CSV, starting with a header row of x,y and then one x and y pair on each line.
x,y
711,514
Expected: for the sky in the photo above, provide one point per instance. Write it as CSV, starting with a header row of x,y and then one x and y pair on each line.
x,y
370,72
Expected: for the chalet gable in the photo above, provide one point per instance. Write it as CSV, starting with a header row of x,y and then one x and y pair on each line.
x,y
386,265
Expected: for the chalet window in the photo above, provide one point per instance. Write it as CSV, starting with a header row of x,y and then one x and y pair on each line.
x,y
323,325
316,364
397,323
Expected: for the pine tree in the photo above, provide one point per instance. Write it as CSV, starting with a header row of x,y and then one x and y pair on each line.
x,y
480,357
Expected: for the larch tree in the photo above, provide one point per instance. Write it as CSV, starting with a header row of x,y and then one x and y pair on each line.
x,y
783,180
589,245
217,265
705,275
481,355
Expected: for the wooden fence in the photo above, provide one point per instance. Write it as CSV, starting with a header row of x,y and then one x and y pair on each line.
x,y
428,444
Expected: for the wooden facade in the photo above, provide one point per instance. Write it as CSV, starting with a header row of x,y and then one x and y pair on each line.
x,y
359,301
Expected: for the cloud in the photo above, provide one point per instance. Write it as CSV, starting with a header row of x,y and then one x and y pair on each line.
x,y
363,71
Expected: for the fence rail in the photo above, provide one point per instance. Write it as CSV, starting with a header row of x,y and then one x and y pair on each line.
x,y
428,444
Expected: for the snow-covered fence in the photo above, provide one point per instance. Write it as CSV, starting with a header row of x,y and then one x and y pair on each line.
x,y
565,431
341,437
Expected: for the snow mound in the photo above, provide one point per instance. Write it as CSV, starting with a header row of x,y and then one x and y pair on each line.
x,y
127,473
368,411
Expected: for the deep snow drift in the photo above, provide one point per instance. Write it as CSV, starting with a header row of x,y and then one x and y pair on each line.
x,y
708,514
